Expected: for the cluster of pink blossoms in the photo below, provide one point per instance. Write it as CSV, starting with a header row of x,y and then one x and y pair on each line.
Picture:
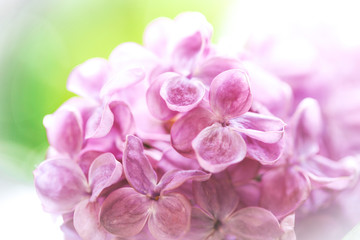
x,y
177,140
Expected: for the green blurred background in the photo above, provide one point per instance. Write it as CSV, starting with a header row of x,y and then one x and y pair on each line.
x,y
42,41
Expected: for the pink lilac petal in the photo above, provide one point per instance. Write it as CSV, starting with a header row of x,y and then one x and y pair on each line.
x,y
202,225
188,23
132,55
250,194
230,94
60,185
87,79
103,144
104,172
287,225
265,153
157,36
100,123
143,235
147,126
156,104
216,196
279,99
170,218
254,223
186,53
86,158
213,66
326,173
137,168
283,190
172,160
124,122
218,147
188,127
341,116
69,231
174,179
121,80
86,221
264,128
307,126
64,130
182,94
125,212
244,171
81,105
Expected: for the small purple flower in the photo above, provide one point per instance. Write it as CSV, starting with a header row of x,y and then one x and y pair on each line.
x,y
219,216
63,188
224,135
126,210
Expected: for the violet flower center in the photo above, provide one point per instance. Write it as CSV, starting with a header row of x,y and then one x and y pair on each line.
x,y
225,123
217,225
154,196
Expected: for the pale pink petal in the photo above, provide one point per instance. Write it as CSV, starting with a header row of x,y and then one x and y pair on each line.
x,y
250,193
86,221
172,160
122,80
336,175
279,100
213,66
186,52
100,123
264,128
216,196
174,179
218,147
88,78
125,212
64,130
188,23
287,225
283,190
158,34
188,127
182,94
86,158
137,168
104,172
156,104
123,119
143,235
170,218
202,225
230,94
132,55
69,231
254,223
307,127
265,153
244,171
81,105
60,185
103,144
147,126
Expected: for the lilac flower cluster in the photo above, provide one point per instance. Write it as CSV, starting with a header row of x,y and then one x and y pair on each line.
x,y
177,140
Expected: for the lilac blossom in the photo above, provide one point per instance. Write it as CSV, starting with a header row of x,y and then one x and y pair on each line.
x,y
126,210
180,82
177,139
219,216
305,170
64,188
227,133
